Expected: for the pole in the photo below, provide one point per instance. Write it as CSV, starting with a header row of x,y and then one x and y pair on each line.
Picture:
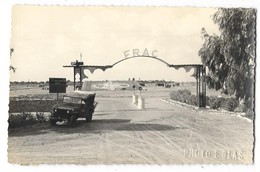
x,y
80,77
74,78
81,57
204,86
197,85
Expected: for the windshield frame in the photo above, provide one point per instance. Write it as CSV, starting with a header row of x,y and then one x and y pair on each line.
x,y
72,100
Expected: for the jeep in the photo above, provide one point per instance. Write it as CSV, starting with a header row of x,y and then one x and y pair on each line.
x,y
73,107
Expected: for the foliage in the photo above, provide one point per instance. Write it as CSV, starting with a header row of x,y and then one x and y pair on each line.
x,y
230,57
21,120
31,105
185,96
214,103
231,104
12,68
25,119
193,100
41,118
24,109
250,114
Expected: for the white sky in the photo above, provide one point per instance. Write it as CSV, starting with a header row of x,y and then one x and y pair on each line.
x,y
46,38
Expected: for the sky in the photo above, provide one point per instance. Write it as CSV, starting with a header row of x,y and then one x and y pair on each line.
x,y
45,38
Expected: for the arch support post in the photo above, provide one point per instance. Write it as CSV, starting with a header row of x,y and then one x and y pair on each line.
x,y
74,82
201,85
77,69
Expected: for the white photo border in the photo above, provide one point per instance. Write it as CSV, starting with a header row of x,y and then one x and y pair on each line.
x,y
5,34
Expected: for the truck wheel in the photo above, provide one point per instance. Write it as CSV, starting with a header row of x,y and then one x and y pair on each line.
x,y
89,116
53,122
72,121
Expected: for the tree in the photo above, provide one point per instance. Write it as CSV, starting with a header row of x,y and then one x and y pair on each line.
x,y
230,57
12,67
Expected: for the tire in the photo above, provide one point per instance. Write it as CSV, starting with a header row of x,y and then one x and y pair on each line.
x,y
72,121
89,116
53,122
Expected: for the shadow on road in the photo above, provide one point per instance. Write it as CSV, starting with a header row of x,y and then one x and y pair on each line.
x,y
29,130
96,126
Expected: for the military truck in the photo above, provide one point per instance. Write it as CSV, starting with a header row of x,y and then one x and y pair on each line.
x,y
73,107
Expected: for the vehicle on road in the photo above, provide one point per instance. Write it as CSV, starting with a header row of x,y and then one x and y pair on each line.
x,y
73,107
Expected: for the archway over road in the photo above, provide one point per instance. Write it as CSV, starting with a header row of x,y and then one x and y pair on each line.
x,y
199,73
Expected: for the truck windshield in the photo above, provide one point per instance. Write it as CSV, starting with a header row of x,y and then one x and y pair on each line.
x,y
73,100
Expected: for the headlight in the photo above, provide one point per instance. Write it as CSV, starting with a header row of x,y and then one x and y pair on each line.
x,y
68,111
55,110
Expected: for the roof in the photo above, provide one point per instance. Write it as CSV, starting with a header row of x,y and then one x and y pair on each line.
x,y
78,95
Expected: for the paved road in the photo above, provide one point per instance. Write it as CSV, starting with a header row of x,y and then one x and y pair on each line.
x,y
122,134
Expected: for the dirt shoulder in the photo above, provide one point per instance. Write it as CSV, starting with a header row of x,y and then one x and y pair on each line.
x,y
122,134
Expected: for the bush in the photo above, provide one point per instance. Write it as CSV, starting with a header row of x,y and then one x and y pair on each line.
x,y
249,105
16,120
231,104
31,105
250,114
40,117
184,96
25,119
214,103
193,100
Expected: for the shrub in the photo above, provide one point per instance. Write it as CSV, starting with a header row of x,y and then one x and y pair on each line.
x,y
250,114
193,100
231,104
214,103
31,105
24,119
249,105
16,120
184,96
40,117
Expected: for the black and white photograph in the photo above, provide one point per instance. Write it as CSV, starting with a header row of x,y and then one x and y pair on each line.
x,y
131,85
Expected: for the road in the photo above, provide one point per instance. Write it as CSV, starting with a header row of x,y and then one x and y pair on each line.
x,y
121,134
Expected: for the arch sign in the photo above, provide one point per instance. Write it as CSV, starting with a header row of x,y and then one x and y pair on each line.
x,y
198,74
138,53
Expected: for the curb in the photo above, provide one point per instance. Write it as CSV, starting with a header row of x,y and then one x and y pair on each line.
x,y
207,110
